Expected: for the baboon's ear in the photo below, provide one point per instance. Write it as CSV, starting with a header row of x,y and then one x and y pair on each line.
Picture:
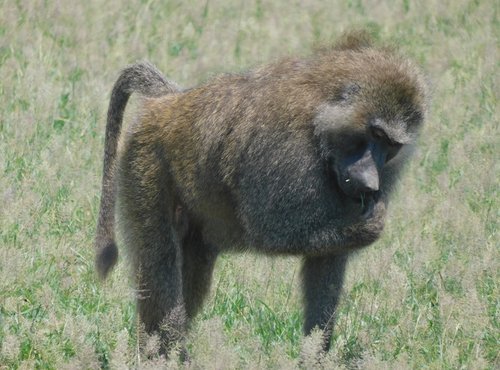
x,y
349,91
354,40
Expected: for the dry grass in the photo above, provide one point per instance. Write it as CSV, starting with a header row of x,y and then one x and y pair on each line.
x,y
426,295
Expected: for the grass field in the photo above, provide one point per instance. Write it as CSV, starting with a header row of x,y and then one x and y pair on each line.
x,y
427,295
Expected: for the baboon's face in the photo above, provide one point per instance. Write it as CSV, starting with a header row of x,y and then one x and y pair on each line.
x,y
359,140
357,159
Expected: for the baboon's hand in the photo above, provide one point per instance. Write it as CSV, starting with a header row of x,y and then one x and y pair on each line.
x,y
374,221
369,226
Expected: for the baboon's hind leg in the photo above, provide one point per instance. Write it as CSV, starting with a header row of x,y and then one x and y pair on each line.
x,y
160,301
199,260
155,252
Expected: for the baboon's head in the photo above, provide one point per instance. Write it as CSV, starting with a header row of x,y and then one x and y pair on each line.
x,y
372,114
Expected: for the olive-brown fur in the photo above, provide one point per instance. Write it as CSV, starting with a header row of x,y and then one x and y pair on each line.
x,y
297,158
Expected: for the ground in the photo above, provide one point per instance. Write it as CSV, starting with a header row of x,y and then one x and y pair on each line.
x,y
425,295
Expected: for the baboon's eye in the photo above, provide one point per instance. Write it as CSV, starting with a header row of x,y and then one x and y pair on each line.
x,y
392,146
393,149
379,134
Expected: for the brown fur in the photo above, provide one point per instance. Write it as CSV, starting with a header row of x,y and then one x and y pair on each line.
x,y
297,157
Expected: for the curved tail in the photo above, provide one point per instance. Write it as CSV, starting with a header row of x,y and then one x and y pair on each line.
x,y
145,79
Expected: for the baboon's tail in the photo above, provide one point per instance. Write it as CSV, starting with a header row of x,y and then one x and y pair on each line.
x,y
146,80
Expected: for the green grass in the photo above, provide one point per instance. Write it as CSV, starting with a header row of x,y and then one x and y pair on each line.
x,y
425,296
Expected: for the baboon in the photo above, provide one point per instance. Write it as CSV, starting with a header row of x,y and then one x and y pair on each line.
x,y
298,157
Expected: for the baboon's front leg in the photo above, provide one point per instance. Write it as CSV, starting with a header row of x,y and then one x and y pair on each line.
x,y
322,283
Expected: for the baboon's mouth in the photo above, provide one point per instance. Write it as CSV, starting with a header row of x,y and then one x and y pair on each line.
x,y
360,199
366,201
363,198
357,196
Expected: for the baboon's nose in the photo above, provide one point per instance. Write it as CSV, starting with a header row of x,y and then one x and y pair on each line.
x,y
368,181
